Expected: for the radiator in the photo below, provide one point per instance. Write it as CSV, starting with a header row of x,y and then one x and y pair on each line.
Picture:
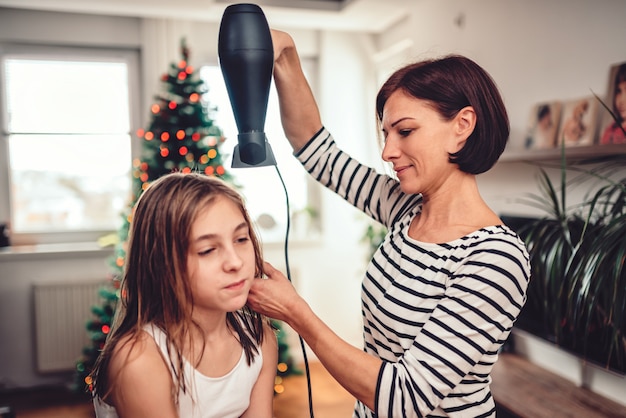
x,y
61,313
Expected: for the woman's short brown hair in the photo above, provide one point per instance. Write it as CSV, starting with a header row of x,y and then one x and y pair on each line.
x,y
449,84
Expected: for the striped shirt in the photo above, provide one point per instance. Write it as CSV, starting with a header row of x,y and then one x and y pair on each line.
x,y
436,314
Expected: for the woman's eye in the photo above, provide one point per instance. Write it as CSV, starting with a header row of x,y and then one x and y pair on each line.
x,y
405,132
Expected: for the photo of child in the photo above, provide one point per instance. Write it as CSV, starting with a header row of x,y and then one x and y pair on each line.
x,y
578,122
614,126
542,126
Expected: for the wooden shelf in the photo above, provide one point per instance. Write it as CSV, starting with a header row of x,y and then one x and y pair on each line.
x,y
554,154
528,390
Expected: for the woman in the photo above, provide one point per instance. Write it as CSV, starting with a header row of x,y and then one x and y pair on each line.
x,y
442,292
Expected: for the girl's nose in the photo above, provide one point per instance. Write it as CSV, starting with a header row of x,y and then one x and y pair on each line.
x,y
232,260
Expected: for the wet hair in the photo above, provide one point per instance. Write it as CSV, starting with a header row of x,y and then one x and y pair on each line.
x,y
620,77
450,84
156,288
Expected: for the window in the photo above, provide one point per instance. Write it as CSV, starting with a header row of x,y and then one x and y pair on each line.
x,y
66,127
261,186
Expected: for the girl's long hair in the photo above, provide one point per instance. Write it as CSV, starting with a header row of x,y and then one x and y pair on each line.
x,y
156,288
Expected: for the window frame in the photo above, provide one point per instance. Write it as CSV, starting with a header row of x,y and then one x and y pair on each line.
x,y
130,57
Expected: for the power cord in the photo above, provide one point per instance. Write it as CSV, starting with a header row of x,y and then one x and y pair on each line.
x,y
286,250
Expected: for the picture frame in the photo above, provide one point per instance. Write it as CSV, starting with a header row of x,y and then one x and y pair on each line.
x,y
609,132
578,122
543,125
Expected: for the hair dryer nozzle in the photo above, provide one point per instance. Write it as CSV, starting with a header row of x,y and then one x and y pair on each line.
x,y
253,150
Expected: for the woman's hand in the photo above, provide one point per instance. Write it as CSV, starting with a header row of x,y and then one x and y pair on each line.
x,y
275,296
299,114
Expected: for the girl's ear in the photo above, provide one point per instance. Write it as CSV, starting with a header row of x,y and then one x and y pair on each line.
x,y
465,122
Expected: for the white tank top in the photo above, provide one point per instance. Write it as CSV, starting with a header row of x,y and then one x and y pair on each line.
x,y
207,397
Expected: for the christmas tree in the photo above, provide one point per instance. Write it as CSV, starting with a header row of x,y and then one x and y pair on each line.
x,y
181,136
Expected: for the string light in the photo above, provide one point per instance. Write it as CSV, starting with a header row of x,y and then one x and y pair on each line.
x,y
155,108
140,133
209,171
194,97
195,136
165,136
220,170
165,152
180,134
172,105
212,153
149,136
183,150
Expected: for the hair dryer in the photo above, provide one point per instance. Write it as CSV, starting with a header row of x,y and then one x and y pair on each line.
x,y
246,56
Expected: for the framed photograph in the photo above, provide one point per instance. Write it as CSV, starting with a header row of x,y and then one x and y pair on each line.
x,y
610,130
542,126
578,122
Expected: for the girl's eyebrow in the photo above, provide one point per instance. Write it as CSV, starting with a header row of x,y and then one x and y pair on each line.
x,y
209,236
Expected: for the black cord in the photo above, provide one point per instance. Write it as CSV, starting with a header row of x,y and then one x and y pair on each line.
x,y
306,361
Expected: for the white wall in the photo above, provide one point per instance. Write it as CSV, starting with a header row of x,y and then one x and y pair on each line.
x,y
535,50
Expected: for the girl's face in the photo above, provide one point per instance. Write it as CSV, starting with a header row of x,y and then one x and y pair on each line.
x,y
417,143
221,259
620,99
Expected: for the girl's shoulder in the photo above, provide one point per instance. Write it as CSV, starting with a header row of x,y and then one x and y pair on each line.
x,y
135,351
137,366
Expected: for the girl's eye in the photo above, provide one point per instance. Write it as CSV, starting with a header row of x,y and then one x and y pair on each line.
x,y
405,132
206,252
243,239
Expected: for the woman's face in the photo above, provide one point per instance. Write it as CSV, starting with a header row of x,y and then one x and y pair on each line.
x,y
417,143
221,259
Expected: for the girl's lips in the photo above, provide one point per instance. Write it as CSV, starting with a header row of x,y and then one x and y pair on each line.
x,y
236,286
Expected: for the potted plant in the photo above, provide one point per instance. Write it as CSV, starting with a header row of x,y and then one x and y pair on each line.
x,y
577,294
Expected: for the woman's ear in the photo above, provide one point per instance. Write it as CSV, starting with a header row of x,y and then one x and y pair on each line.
x,y
465,122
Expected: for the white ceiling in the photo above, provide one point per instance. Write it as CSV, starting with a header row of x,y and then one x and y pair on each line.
x,y
351,15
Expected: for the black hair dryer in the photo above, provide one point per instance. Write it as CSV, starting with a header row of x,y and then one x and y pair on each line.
x,y
246,56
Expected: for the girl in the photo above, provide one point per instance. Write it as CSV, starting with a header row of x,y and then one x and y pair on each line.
x,y
183,342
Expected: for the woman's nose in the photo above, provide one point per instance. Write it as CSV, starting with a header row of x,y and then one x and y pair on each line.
x,y
390,151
